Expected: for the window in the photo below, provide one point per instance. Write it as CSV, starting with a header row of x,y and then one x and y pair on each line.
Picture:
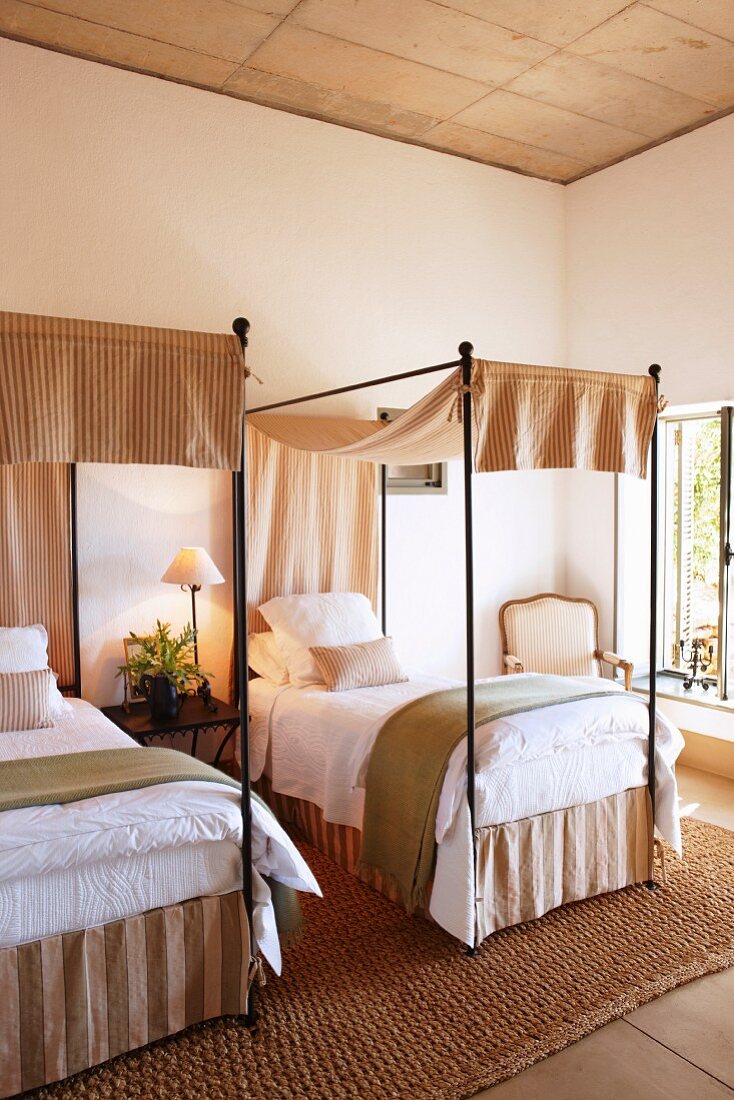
x,y
696,543
428,477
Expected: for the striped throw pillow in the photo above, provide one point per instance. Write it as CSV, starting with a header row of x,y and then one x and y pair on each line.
x,y
362,665
24,701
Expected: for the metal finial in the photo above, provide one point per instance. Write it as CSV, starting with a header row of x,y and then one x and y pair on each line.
x,y
655,370
241,326
466,350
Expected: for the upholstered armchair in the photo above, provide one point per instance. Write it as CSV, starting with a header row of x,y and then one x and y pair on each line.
x,y
556,635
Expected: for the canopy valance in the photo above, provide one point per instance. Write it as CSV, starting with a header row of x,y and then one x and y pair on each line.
x,y
550,418
92,391
525,418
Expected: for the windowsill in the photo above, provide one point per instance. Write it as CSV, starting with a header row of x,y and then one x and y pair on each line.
x,y
671,687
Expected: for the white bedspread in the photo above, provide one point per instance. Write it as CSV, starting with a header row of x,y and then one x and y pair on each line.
x,y
74,866
316,745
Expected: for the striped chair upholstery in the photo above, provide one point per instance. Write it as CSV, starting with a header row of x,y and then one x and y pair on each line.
x,y
551,634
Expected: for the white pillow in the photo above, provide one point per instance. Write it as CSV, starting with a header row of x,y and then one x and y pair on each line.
x,y
25,649
264,657
57,705
317,619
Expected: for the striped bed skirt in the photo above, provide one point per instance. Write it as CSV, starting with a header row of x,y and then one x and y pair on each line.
x,y
524,868
74,1000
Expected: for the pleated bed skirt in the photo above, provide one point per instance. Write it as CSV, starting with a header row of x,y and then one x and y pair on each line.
x,y
71,1001
524,868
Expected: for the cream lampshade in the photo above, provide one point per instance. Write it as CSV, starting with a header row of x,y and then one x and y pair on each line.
x,y
191,568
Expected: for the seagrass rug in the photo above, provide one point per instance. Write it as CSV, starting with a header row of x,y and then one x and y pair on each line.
x,y
374,1004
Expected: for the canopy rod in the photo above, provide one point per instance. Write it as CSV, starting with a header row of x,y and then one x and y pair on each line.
x,y
383,545
466,351
356,386
73,505
75,687
241,326
654,372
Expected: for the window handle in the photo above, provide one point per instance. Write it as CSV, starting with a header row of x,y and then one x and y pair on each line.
x,y
728,554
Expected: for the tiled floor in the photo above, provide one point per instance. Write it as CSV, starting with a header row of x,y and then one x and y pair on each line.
x,y
680,1047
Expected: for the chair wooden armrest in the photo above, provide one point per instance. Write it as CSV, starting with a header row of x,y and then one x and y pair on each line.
x,y
616,661
512,664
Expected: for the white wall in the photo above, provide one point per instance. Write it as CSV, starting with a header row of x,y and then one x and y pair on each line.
x,y
131,199
651,265
650,248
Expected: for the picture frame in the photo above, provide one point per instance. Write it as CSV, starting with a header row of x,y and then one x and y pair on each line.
x,y
133,694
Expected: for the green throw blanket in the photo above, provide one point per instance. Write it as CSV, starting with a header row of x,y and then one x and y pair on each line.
x,y
74,776
407,767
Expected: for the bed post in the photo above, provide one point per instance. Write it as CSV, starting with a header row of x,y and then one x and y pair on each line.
x,y
654,371
383,546
75,580
466,351
241,327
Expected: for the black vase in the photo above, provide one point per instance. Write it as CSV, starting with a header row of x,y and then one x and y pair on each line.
x,y
161,695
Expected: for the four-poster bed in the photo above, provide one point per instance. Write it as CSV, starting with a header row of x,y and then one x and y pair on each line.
x,y
133,883
61,408
494,416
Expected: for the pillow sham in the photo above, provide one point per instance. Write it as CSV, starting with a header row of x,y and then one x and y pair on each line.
x,y
317,619
363,665
25,649
24,700
264,657
58,705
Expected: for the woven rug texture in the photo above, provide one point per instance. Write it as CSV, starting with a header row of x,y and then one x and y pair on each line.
x,y
374,1004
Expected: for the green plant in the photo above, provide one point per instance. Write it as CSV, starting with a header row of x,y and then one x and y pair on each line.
x,y
706,502
162,654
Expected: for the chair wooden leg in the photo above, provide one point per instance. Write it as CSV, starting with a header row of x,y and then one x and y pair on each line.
x,y
659,851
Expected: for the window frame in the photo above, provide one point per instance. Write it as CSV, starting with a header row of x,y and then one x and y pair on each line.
x,y
724,413
435,481
726,561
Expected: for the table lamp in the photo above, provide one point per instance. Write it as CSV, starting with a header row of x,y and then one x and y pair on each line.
x,y
191,568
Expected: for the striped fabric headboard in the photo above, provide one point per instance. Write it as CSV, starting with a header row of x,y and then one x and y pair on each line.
x,y
36,564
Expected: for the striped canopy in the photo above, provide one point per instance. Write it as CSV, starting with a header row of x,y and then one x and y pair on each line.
x,y
90,391
525,418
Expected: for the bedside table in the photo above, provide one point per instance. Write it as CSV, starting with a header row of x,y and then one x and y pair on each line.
x,y
192,718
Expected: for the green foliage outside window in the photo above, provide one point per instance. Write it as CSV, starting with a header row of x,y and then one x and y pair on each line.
x,y
706,503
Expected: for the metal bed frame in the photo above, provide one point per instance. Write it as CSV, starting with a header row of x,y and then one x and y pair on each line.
x,y
466,359
241,327
75,688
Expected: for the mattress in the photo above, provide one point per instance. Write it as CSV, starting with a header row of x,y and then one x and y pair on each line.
x,y
316,745
75,866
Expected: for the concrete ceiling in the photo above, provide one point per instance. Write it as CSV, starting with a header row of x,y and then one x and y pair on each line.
x,y
552,88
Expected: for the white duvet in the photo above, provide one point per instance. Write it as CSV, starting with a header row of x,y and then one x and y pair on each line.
x,y
86,863
315,745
